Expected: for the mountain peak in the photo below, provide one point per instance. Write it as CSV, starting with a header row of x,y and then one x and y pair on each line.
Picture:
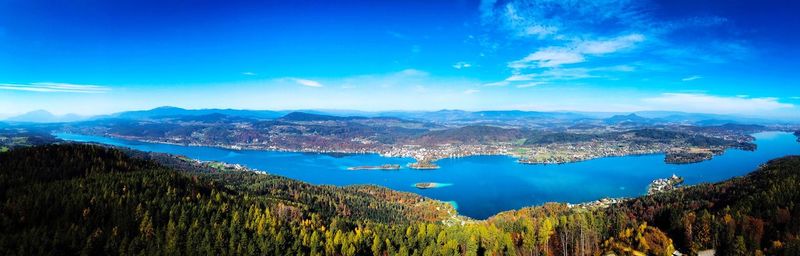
x,y
167,108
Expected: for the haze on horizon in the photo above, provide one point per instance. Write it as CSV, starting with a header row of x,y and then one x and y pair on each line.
x,y
92,57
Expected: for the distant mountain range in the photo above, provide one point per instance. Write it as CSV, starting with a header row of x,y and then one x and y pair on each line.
x,y
161,112
43,116
641,117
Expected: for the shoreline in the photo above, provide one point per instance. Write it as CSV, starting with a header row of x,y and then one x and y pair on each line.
x,y
518,158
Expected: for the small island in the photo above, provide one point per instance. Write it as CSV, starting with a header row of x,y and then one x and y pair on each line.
x,y
423,165
384,167
426,185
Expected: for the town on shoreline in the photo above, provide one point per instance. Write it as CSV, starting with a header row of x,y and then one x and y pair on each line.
x,y
553,153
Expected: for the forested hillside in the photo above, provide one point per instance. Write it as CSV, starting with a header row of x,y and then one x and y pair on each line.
x,y
82,199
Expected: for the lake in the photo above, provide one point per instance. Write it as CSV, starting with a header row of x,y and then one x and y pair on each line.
x,y
482,186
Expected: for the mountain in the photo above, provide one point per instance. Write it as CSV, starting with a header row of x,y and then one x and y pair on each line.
x,y
43,116
162,112
212,118
703,119
306,117
447,115
473,134
82,199
629,118
489,117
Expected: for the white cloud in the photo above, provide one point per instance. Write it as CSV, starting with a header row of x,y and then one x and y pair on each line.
x,y
558,19
531,84
572,32
548,57
698,102
691,78
520,77
248,73
55,87
558,74
612,45
556,56
462,64
471,91
497,84
307,82
539,30
410,72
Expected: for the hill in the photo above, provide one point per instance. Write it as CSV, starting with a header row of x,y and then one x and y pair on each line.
x,y
630,118
83,199
473,134
43,116
167,111
308,117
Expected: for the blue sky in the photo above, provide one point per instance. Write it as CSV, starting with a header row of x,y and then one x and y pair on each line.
x,y
95,57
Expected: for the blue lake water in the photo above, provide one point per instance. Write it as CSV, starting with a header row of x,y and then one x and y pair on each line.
x,y
482,186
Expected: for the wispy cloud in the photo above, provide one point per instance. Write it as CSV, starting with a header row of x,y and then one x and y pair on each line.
x,y
691,78
698,102
559,74
545,19
597,47
497,84
471,91
576,53
462,64
590,33
307,82
693,22
55,87
548,57
531,84
249,73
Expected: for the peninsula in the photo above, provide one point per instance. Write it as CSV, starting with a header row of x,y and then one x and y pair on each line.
x,y
665,184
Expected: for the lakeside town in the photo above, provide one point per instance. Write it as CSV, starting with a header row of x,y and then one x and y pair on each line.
x,y
427,141
425,156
